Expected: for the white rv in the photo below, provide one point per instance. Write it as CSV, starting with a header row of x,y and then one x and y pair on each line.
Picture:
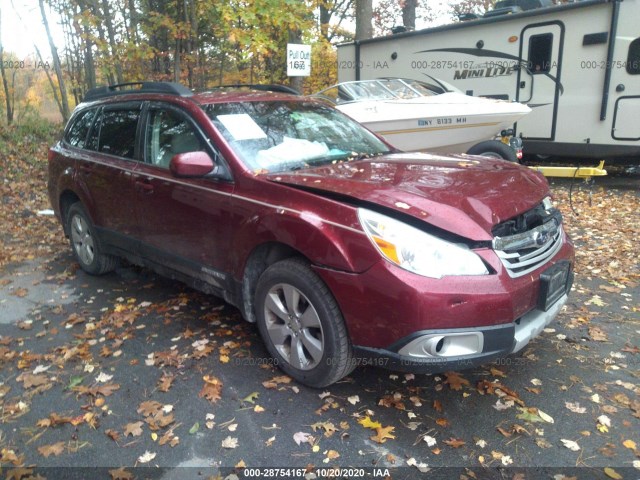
x,y
576,65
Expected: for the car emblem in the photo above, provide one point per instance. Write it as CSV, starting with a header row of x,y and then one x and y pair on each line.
x,y
541,237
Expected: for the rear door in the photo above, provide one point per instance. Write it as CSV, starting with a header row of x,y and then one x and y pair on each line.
x,y
539,83
105,171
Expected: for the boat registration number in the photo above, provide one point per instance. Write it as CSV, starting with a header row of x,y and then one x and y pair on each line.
x,y
441,121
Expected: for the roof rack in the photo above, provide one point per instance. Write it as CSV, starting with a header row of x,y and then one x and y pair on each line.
x,y
169,88
264,87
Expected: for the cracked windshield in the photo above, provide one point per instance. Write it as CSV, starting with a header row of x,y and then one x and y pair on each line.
x,y
284,136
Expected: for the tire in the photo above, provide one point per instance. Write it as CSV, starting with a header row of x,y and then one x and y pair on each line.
x,y
86,244
494,149
301,324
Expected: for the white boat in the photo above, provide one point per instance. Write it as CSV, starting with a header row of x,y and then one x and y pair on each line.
x,y
415,116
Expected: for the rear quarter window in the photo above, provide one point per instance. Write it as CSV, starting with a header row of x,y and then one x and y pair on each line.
x,y
77,133
118,132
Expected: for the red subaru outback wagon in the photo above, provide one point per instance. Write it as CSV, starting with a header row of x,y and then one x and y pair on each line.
x,y
343,250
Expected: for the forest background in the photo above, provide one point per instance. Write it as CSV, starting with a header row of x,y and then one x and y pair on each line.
x,y
200,43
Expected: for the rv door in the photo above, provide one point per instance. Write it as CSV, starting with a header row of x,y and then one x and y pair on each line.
x,y
539,78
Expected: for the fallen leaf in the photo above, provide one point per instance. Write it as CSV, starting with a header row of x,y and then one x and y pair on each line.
x,y
251,398
454,442
570,444
55,449
575,407
443,422
230,442
366,422
430,441
597,334
120,474
302,437
146,457
29,380
611,473
165,382
103,378
455,381
134,429
421,466
149,408
382,434
545,417
630,444
211,389
332,454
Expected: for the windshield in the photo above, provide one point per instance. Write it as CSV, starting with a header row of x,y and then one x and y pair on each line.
x,y
279,136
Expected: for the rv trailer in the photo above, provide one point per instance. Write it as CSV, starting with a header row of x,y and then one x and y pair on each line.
x,y
577,66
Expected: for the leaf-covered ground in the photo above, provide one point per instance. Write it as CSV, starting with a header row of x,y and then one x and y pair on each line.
x,y
131,370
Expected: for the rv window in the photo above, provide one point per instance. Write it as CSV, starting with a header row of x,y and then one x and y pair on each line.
x,y
633,60
540,48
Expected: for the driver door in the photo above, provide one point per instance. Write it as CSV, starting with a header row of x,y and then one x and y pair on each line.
x,y
184,221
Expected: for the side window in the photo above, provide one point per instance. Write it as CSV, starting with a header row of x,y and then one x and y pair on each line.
x,y
77,134
540,51
169,133
118,132
633,60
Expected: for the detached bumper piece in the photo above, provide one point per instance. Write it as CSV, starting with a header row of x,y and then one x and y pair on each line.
x,y
432,351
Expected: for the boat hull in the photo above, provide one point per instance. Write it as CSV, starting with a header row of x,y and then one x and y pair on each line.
x,y
449,122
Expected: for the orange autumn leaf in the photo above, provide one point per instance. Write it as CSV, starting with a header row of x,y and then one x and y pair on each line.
x,y
455,381
55,449
454,442
382,434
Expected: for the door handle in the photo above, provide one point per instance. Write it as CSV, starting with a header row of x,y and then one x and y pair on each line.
x,y
144,186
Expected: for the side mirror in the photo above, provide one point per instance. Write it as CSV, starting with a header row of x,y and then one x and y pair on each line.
x,y
191,164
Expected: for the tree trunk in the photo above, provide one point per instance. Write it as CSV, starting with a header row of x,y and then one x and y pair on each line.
x,y
88,62
409,14
325,19
364,15
295,36
112,41
64,110
96,13
5,84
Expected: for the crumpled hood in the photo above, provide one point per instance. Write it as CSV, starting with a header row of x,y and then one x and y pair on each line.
x,y
462,194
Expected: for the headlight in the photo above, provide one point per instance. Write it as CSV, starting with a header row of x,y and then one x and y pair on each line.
x,y
417,251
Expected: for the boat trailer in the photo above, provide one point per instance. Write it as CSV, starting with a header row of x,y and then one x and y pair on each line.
x,y
572,172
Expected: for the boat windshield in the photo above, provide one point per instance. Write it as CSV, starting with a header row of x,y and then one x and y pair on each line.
x,y
280,136
383,89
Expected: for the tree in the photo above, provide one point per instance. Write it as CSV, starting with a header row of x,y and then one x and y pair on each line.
x,y
471,6
5,83
331,14
364,14
64,110
409,13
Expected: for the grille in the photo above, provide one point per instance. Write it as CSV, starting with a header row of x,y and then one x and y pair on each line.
x,y
523,252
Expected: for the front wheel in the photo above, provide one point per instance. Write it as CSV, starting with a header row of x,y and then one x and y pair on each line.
x,y
494,149
301,324
85,243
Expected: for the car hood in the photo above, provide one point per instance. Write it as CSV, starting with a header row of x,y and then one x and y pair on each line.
x,y
462,194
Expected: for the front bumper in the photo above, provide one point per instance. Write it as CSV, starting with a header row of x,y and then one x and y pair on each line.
x,y
419,352
405,322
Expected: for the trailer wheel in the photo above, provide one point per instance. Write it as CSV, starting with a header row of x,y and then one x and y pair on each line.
x,y
494,149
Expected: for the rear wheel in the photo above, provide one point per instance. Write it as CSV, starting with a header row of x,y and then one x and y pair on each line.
x,y
494,149
85,243
301,324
